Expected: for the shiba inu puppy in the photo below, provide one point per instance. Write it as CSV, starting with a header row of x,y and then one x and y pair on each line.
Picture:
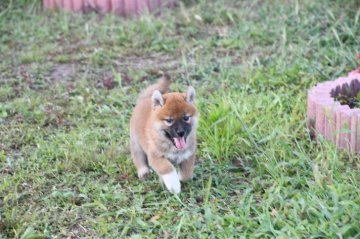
x,y
163,134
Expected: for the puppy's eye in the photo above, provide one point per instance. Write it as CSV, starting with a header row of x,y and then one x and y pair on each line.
x,y
186,118
169,121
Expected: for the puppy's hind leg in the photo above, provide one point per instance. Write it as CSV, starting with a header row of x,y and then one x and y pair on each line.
x,y
139,158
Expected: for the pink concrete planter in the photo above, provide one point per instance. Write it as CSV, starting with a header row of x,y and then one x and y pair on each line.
x,y
118,7
327,117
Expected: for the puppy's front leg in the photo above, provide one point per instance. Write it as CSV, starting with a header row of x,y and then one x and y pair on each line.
x,y
187,168
167,173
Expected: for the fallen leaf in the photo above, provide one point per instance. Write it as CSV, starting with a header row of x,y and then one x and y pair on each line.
x,y
109,83
154,218
274,213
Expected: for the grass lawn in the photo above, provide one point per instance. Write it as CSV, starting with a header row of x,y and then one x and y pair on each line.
x,y
68,84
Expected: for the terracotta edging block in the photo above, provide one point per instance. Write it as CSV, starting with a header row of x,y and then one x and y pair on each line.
x,y
330,122
118,7
326,117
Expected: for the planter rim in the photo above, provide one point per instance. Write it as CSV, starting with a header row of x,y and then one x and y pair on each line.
x,y
327,118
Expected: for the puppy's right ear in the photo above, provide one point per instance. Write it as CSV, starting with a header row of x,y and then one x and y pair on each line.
x,y
157,99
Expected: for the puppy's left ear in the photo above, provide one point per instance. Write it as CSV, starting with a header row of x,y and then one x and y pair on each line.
x,y
190,95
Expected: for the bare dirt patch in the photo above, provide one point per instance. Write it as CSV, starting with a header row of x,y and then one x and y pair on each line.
x,y
150,63
63,72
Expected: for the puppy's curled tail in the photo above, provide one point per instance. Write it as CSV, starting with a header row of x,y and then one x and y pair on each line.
x,y
162,85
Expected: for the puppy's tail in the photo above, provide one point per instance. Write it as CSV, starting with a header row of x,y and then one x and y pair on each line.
x,y
162,85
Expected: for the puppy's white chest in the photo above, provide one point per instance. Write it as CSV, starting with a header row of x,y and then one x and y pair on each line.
x,y
178,157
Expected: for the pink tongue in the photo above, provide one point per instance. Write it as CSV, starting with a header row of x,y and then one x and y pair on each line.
x,y
180,142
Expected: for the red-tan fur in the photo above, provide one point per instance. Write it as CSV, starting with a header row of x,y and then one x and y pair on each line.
x,y
149,146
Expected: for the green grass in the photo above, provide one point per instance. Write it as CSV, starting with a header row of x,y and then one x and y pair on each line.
x,y
65,166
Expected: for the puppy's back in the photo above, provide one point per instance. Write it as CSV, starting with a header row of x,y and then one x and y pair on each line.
x,y
162,85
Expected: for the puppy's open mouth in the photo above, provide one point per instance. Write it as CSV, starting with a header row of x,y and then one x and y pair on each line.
x,y
178,142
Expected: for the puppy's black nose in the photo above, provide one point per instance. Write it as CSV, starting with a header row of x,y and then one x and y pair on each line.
x,y
180,133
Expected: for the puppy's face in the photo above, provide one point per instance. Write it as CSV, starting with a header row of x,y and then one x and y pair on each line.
x,y
176,116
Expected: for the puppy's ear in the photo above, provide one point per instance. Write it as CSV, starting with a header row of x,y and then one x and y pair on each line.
x,y
157,99
190,95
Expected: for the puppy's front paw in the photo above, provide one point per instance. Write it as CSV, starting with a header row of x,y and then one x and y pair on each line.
x,y
185,176
143,173
172,182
